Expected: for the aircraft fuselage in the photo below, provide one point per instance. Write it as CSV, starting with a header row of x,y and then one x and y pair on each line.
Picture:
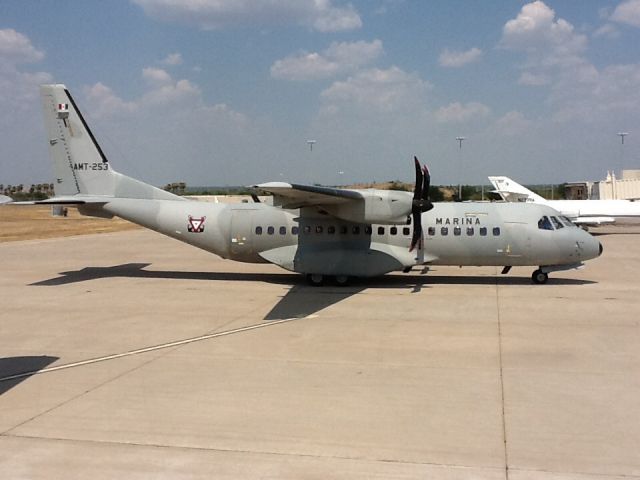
x,y
465,234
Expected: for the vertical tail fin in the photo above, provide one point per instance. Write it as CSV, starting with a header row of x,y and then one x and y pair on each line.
x,y
80,165
512,191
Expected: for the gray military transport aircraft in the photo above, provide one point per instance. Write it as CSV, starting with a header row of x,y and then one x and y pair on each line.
x,y
323,233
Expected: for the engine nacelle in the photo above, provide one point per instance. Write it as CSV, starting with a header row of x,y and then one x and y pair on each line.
x,y
386,207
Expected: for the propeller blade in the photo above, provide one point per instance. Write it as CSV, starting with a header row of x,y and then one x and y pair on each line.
x,y
418,204
416,238
426,201
417,189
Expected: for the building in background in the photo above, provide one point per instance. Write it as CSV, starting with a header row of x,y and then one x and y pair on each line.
x,y
611,188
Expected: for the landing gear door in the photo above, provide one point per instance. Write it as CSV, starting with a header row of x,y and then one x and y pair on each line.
x,y
241,226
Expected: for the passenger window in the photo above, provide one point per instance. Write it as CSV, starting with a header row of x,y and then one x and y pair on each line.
x,y
343,230
457,231
483,231
431,231
258,230
556,223
331,230
294,230
283,230
496,231
406,231
380,230
356,230
544,223
270,230
307,229
393,230
444,231
368,230
470,231
319,228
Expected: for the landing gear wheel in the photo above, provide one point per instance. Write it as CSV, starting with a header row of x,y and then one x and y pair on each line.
x,y
539,277
341,280
315,279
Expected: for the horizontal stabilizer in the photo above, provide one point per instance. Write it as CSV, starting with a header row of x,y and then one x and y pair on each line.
x,y
68,200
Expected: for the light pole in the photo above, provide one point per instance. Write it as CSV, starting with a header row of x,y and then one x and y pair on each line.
x,y
460,140
615,179
622,135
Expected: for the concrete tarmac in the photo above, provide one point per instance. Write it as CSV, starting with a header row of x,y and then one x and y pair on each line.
x,y
130,355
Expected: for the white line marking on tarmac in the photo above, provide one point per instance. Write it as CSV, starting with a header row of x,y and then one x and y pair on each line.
x,y
153,348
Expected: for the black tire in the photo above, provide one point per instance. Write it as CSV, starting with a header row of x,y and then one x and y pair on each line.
x,y
539,277
341,280
315,279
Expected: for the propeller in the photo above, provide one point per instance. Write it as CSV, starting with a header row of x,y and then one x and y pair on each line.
x,y
421,202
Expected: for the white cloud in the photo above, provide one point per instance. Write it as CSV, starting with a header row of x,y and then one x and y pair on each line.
x,y
627,12
17,48
512,123
556,56
454,59
382,90
459,113
172,59
24,149
182,91
339,58
547,41
163,91
320,15
598,96
533,79
156,76
607,30
103,102
20,89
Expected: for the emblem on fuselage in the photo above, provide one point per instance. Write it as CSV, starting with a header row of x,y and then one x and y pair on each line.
x,y
196,225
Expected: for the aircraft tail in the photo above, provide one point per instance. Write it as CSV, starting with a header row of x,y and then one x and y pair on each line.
x,y
512,191
81,167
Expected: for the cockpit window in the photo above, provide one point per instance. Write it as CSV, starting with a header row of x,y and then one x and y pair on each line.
x,y
566,222
556,223
545,224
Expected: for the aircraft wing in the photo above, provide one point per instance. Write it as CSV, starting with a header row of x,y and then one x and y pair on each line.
x,y
291,195
358,206
593,221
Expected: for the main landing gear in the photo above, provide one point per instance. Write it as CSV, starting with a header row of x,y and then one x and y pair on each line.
x,y
316,279
539,277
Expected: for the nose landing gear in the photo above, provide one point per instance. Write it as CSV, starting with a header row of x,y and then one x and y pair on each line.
x,y
539,277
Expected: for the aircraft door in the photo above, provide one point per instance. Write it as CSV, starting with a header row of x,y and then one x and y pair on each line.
x,y
517,242
241,235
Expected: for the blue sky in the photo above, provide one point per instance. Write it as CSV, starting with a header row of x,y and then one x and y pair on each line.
x,y
227,92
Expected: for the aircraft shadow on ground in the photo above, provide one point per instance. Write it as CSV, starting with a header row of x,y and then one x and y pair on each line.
x,y
301,300
22,366
137,270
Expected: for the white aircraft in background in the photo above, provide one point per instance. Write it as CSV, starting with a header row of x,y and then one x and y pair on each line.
x,y
323,233
585,213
